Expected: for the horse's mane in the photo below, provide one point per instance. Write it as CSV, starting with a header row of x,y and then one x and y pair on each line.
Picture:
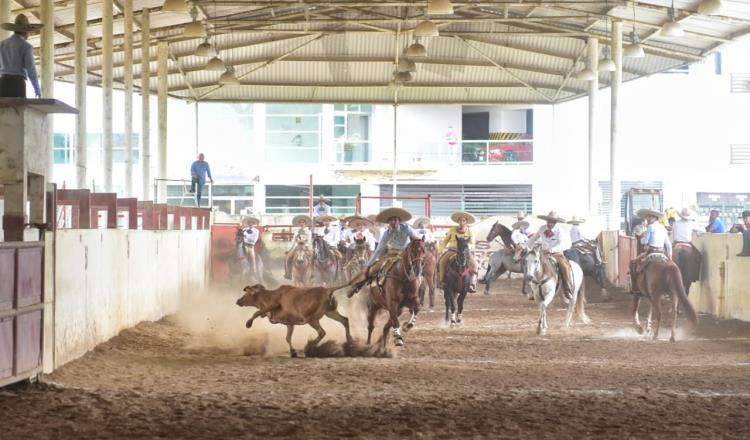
x,y
503,232
322,246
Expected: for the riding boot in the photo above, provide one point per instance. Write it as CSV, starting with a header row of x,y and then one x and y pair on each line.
x,y
565,274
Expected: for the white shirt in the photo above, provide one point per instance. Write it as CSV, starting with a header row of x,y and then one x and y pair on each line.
x,y
553,243
518,237
320,210
332,236
17,58
428,237
575,234
369,238
250,235
682,230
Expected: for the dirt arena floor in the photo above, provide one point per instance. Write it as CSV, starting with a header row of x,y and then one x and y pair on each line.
x,y
201,374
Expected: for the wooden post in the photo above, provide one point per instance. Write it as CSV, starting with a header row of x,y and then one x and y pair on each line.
x,y
107,31
593,64
81,52
163,75
4,17
146,108
614,183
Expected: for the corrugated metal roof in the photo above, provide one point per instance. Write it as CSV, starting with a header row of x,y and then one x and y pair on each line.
x,y
344,51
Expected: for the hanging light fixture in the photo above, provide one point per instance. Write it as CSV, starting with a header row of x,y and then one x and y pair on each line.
x,y
710,7
406,65
606,64
195,28
229,78
426,29
401,77
439,7
175,6
204,49
634,49
215,63
416,50
586,74
672,28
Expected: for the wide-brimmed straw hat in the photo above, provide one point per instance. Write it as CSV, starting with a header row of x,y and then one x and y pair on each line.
x,y
326,218
302,217
687,214
21,25
252,220
357,220
521,215
421,221
644,213
322,198
457,215
552,216
389,213
523,223
576,221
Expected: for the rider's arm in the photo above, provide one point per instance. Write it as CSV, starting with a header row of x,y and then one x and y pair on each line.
x,y
471,239
379,251
647,236
446,239
668,248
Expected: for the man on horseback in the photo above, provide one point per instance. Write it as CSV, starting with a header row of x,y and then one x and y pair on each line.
x,y
250,237
321,208
655,240
395,239
581,244
550,237
302,237
421,226
682,229
330,234
359,231
449,247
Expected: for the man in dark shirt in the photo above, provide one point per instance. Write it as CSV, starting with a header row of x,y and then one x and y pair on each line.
x,y
745,229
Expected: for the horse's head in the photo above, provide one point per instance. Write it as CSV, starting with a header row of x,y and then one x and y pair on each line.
x,y
431,247
320,247
494,231
462,253
413,257
533,260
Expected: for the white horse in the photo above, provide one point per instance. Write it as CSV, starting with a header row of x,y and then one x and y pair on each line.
x,y
543,274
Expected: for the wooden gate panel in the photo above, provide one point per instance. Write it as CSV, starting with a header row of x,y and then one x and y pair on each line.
x,y
29,287
8,278
6,347
626,252
28,341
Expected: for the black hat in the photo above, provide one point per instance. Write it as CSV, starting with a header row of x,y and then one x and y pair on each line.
x,y
745,214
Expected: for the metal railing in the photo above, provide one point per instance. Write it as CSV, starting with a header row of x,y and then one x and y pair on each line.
x,y
739,154
739,83
186,194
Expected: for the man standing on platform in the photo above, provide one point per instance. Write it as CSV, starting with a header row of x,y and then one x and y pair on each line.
x,y
198,172
17,60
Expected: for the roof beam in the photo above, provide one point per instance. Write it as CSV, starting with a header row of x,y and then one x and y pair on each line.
x,y
403,3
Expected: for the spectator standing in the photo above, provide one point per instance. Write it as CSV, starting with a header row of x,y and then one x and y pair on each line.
x,y
715,225
198,172
17,60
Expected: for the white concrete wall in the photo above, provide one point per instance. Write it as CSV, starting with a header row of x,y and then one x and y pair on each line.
x,y
724,288
110,280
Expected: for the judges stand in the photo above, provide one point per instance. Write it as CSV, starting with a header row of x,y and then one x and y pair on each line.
x,y
25,295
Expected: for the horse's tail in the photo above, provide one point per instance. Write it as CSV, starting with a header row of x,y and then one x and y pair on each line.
x,y
675,281
333,289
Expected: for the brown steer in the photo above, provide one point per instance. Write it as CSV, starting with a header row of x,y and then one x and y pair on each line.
x,y
294,306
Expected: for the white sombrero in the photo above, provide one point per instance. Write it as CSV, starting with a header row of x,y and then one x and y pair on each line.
x,y
576,221
457,215
326,218
302,217
552,216
21,25
524,223
389,213
322,198
252,219
521,215
356,220
421,221
687,214
643,213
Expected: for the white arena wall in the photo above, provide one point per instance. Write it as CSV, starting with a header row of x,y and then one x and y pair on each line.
x,y
109,280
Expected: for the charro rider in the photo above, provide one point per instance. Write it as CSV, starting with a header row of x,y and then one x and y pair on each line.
x,y
321,209
519,237
359,231
550,236
330,233
250,237
421,226
682,229
302,237
395,239
450,242
656,241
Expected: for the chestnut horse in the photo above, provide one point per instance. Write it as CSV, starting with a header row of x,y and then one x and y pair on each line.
x,y
429,274
689,260
660,275
399,290
302,263
326,264
357,258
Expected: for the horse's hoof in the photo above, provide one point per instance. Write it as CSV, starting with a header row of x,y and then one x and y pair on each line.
x,y
639,329
487,293
459,319
293,353
249,323
671,339
399,342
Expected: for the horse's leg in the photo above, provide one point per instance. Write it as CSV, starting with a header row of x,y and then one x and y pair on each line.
x,y
636,318
540,329
581,304
289,331
454,306
649,329
488,279
422,291
336,316
461,298
372,310
571,309
321,333
446,297
675,302
657,306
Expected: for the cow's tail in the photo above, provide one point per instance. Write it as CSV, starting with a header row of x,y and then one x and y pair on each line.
x,y
679,289
333,289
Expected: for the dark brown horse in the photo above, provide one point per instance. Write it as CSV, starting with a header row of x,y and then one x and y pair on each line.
x,y
659,276
689,260
429,274
325,263
399,290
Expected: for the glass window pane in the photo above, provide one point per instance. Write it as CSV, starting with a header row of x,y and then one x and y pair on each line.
x,y
223,206
233,190
338,107
292,123
239,205
293,109
339,120
292,155
339,131
291,140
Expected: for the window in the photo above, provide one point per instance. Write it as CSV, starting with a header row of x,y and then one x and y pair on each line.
x,y
295,199
293,132
118,148
739,154
351,131
62,149
230,199
497,135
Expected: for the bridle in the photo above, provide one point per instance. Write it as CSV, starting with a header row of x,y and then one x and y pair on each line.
x,y
409,262
539,266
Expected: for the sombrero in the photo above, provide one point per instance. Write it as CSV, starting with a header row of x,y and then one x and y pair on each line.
x,y
516,225
21,25
576,221
356,220
643,213
521,215
687,214
457,215
252,219
552,216
298,218
389,213
421,220
326,218
322,198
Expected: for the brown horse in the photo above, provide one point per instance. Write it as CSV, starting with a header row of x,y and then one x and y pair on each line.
x,y
325,263
302,263
356,258
399,290
429,274
659,276
689,260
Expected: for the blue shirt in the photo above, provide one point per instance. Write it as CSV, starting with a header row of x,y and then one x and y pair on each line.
x,y
717,227
200,169
17,58
658,237
396,240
